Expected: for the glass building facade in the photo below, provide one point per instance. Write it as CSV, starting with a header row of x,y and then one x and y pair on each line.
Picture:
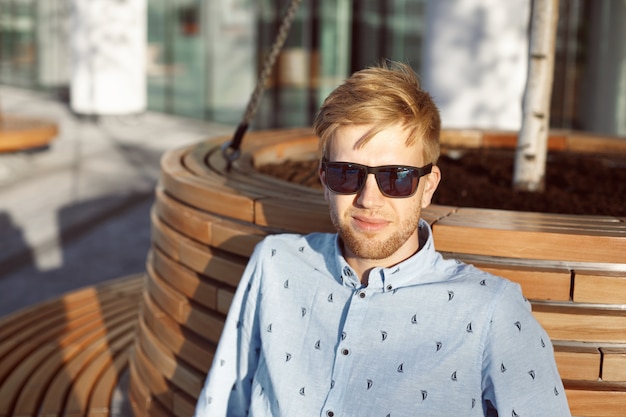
x,y
203,56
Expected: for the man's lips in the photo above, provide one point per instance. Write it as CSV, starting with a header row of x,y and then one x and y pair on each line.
x,y
369,224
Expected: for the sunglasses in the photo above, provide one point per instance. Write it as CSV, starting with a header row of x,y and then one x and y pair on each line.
x,y
395,181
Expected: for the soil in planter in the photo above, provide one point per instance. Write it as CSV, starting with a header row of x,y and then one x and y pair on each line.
x,y
576,183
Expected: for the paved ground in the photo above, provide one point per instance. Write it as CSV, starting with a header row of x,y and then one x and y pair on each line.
x,y
77,212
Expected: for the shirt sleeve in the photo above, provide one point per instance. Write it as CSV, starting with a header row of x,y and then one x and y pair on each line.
x,y
520,377
226,391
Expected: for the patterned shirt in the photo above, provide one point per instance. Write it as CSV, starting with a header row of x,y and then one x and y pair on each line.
x,y
427,337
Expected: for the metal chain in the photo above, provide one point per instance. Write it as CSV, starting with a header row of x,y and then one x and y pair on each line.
x,y
230,150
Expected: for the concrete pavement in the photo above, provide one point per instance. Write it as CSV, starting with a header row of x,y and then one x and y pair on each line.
x,y
77,212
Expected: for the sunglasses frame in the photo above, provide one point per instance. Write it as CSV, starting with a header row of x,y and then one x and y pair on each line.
x,y
421,171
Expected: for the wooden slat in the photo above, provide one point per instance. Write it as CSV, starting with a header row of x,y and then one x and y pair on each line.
x,y
212,195
183,218
528,244
614,364
596,402
537,284
289,214
151,379
142,402
197,257
102,392
187,282
461,138
600,287
435,212
87,388
191,348
585,324
180,309
178,374
296,145
578,361
203,227
184,405
558,140
224,299
538,222
236,239
594,143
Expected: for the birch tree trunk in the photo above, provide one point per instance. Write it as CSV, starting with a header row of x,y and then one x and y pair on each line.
x,y
532,142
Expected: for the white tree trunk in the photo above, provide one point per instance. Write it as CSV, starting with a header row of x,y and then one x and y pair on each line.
x,y
532,143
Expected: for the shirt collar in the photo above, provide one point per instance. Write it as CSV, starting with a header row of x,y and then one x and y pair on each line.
x,y
417,269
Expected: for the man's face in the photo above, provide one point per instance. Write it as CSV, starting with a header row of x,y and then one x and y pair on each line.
x,y
371,225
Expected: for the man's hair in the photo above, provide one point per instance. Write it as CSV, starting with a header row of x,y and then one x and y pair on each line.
x,y
381,96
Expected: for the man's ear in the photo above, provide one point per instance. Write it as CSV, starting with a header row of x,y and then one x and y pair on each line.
x,y
431,182
322,176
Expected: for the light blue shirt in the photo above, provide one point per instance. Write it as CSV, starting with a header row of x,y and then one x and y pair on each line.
x,y
427,337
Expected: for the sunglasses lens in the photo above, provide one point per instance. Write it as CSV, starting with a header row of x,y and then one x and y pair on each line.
x,y
393,180
397,181
344,178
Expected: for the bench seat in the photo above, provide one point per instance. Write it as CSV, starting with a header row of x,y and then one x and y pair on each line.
x,y
67,355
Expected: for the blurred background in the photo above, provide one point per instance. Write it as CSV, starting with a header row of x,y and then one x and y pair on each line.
x,y
200,58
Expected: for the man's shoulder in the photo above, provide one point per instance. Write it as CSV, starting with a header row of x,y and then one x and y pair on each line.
x,y
468,274
294,253
292,242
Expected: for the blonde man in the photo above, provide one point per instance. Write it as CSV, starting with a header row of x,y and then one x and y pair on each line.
x,y
372,321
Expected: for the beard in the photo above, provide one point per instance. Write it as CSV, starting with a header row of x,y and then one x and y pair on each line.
x,y
370,246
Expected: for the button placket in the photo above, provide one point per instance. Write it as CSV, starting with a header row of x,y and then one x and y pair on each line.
x,y
344,355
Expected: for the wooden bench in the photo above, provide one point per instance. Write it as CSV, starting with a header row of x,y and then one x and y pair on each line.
x,y
66,356
206,222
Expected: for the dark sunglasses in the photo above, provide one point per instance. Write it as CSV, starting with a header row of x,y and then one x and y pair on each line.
x,y
395,181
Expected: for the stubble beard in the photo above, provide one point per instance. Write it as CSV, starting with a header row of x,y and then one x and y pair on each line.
x,y
367,245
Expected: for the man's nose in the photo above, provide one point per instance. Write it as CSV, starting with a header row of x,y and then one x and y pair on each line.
x,y
370,195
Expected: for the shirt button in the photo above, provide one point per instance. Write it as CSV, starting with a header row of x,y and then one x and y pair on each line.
x,y
329,413
389,287
345,352
362,294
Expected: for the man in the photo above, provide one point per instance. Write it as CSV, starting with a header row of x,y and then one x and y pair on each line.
x,y
372,321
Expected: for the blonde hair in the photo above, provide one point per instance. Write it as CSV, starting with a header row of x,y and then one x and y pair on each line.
x,y
382,96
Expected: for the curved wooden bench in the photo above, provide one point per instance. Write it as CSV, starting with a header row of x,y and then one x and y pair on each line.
x,y
66,356
206,222
19,133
